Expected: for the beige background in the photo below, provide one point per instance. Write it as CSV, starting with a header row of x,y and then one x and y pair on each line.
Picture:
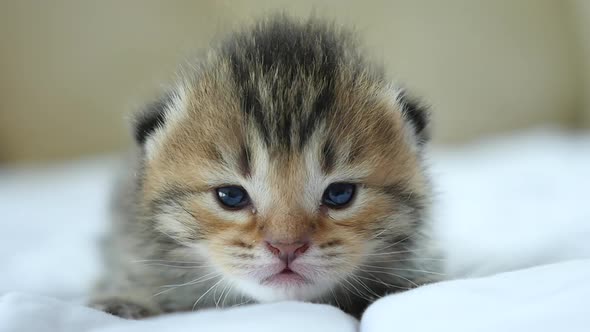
x,y
581,10
71,70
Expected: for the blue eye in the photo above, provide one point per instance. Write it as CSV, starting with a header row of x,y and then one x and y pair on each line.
x,y
338,195
232,197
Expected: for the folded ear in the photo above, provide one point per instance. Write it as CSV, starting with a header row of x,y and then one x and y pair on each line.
x,y
150,118
416,114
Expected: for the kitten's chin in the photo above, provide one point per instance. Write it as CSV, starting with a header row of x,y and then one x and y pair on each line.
x,y
286,278
283,287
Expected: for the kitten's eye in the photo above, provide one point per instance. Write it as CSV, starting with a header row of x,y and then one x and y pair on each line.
x,y
232,197
338,195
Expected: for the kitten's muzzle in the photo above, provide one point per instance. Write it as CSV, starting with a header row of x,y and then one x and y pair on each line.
x,y
287,252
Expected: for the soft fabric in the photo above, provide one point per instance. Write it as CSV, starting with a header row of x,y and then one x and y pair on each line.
x,y
23,312
516,204
548,298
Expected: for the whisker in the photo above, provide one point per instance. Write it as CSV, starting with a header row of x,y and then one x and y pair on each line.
x,y
402,269
179,266
373,260
387,253
220,295
348,291
364,286
173,238
192,282
163,261
335,298
207,292
379,234
399,241
226,294
348,296
413,259
392,274
383,282
241,303
358,292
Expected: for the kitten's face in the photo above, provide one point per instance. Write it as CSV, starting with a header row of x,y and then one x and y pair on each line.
x,y
284,215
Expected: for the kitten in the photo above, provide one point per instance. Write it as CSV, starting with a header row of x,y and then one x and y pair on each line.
x,y
283,166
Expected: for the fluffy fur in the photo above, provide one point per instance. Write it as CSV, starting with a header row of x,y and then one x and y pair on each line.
x,y
283,109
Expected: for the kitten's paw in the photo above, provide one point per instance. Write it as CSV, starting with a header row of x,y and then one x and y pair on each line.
x,y
124,308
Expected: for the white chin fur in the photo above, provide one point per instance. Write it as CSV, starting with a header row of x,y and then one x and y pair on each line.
x,y
264,293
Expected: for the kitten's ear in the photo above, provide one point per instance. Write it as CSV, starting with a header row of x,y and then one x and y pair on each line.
x,y
416,114
151,117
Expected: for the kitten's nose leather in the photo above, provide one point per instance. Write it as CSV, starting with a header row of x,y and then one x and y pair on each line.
x,y
287,252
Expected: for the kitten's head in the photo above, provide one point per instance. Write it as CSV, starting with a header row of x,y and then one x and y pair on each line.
x,y
287,163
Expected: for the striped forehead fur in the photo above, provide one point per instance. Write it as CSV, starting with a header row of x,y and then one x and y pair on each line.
x,y
286,74
287,77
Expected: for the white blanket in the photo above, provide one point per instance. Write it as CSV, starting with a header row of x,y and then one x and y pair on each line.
x,y
547,298
503,205
22,312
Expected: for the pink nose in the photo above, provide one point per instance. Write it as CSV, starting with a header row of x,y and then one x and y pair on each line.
x,y
287,252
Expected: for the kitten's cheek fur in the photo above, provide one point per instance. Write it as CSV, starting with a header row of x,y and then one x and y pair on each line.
x,y
125,307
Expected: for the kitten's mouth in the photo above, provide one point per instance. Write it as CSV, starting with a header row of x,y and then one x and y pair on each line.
x,y
286,277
